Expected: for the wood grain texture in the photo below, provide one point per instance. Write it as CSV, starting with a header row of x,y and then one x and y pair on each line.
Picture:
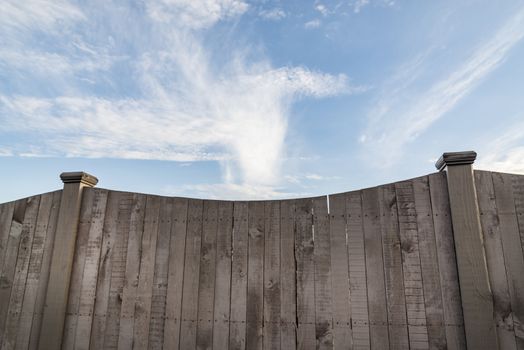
x,y
206,287
378,316
323,288
288,311
304,255
6,216
176,274
518,196
191,275
272,275
237,328
394,282
223,276
495,260
255,276
513,255
447,263
342,338
357,271
429,264
475,291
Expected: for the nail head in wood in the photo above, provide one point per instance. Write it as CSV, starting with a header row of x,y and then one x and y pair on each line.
x,y
455,158
79,177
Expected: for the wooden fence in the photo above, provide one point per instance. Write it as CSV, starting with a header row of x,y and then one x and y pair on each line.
x,y
418,264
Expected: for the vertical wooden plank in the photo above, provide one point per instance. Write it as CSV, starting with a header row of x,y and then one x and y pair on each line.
x,y
378,317
176,275
288,312
191,275
342,338
447,263
513,255
8,268
272,276
144,291
255,277
414,289
518,193
6,216
20,275
90,272
159,293
429,264
305,274
357,271
495,260
42,234
223,276
237,327
73,299
118,271
44,272
394,281
206,284
127,311
104,272
323,288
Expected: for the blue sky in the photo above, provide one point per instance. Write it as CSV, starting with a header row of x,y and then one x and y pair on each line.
x,y
239,99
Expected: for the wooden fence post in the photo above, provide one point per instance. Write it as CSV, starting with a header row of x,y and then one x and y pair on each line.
x,y
475,290
62,259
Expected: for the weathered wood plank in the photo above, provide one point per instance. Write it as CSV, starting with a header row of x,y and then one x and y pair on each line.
x,y
21,271
176,275
288,312
206,285
357,271
495,259
8,267
77,272
144,291
91,269
191,275
272,276
127,310
118,271
44,272
429,264
305,274
6,216
414,288
104,273
447,263
323,288
518,195
223,276
513,254
159,292
255,277
378,317
394,281
477,300
342,337
237,328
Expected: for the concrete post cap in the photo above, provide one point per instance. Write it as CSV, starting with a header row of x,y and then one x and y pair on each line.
x,y
79,177
455,158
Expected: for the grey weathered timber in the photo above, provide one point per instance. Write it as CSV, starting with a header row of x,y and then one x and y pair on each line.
x,y
62,258
339,273
288,310
477,304
495,259
357,271
237,326
272,275
206,286
394,283
176,274
255,276
322,258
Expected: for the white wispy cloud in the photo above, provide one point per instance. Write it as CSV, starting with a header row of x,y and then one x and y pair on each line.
x,y
230,191
275,14
398,119
315,23
184,107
